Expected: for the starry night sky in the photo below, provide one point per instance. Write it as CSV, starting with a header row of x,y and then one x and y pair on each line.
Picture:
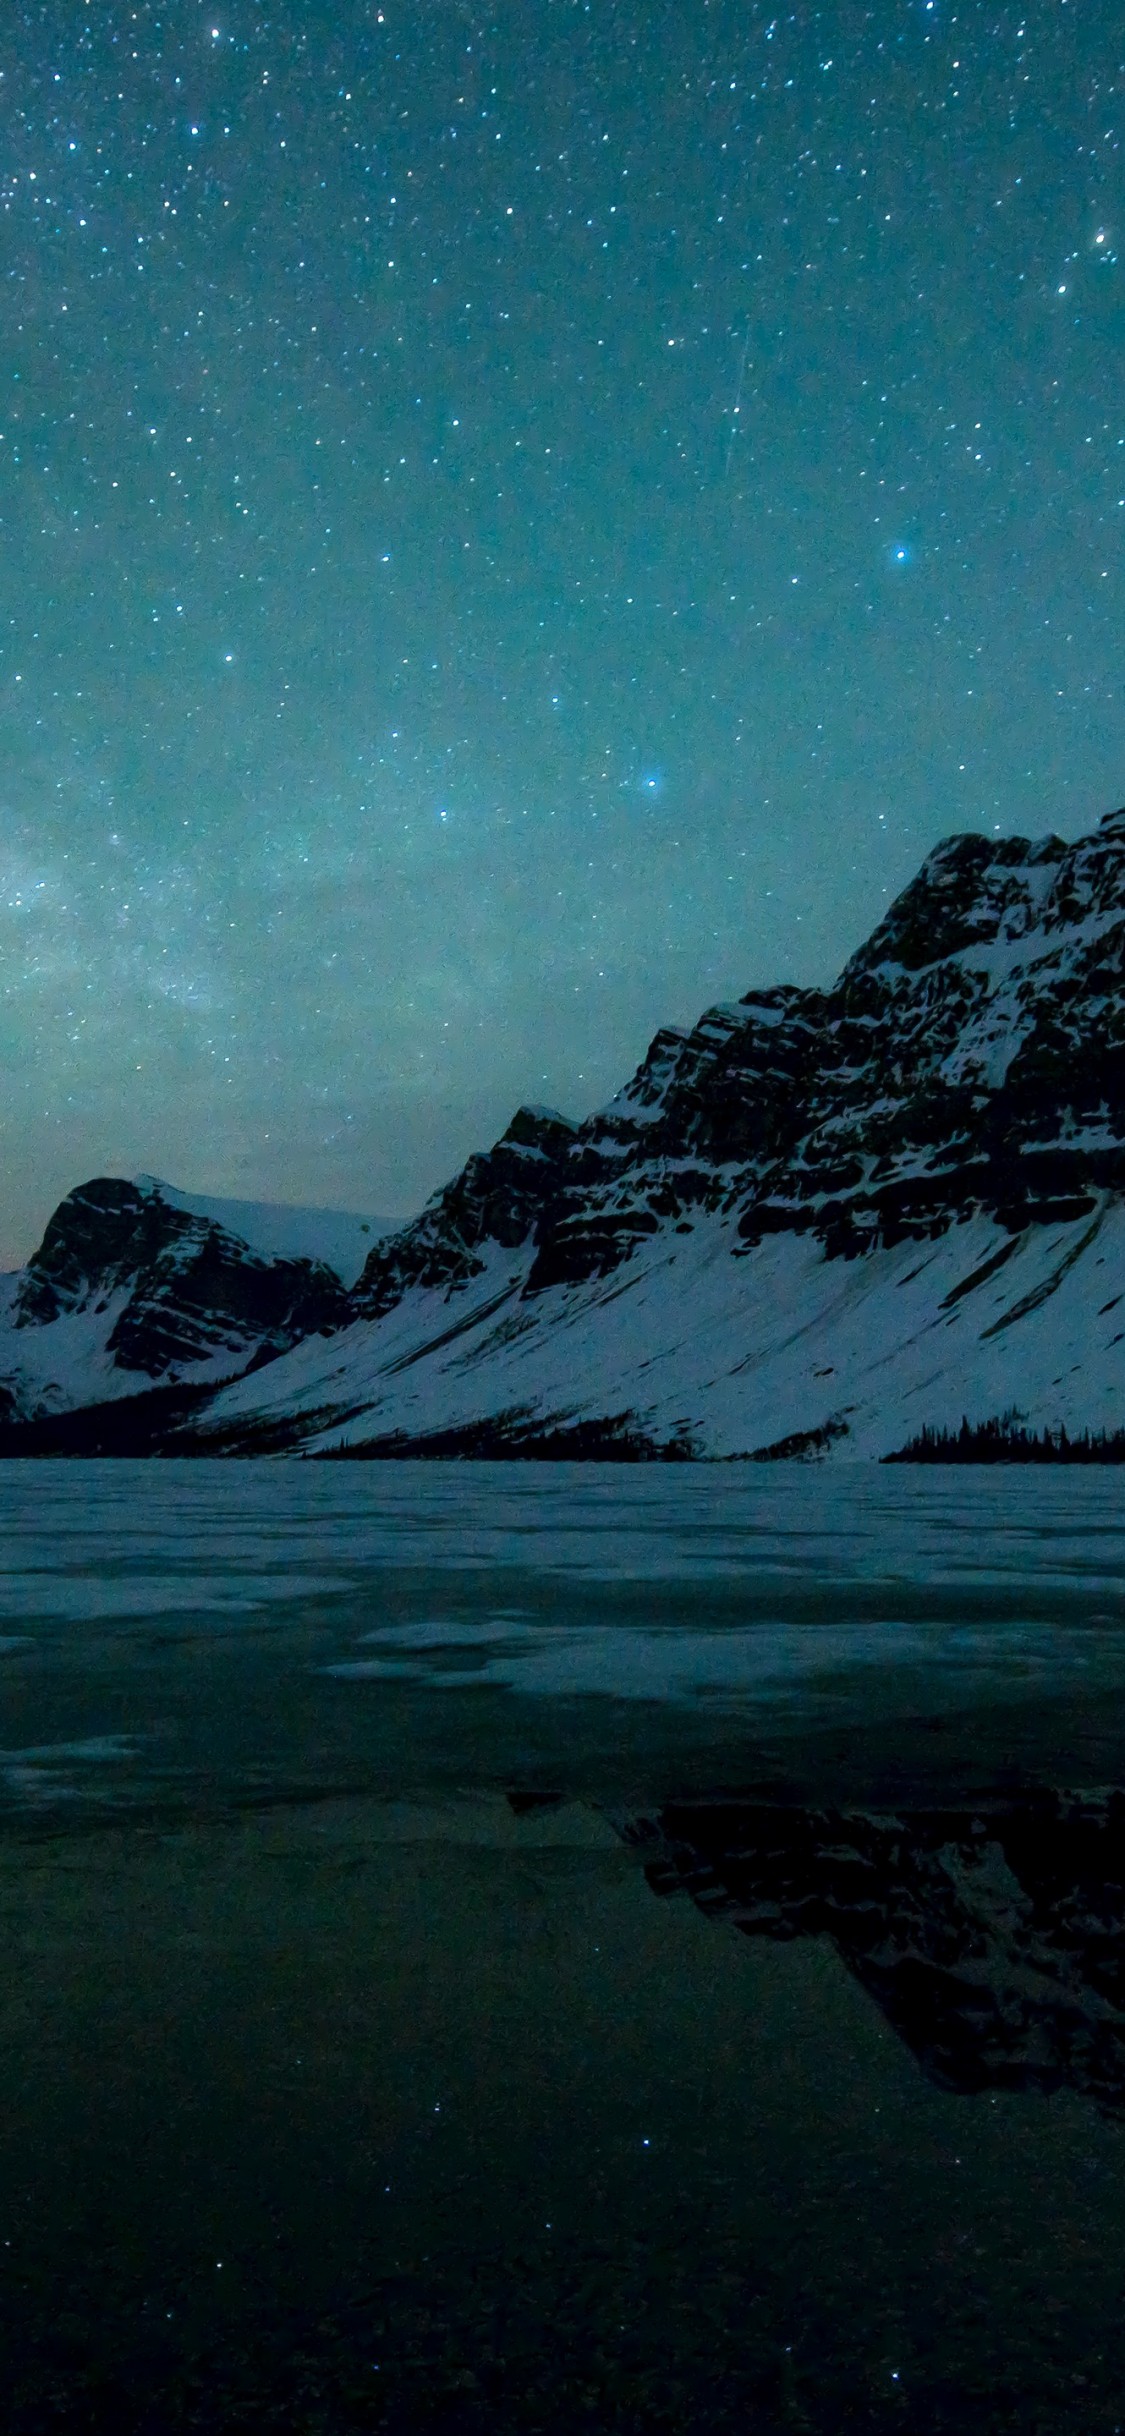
x,y
518,523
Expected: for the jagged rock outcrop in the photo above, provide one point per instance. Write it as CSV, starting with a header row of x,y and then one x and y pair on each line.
x,y
131,1285
970,1057
974,1051
500,1197
993,1940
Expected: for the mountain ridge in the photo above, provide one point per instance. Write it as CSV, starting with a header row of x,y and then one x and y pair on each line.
x,y
816,1221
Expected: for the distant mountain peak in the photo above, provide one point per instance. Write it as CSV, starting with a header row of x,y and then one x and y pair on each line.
x,y
137,1283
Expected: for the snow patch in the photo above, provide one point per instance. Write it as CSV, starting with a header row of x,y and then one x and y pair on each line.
x,y
279,1230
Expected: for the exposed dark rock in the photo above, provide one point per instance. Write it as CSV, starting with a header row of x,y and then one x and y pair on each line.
x,y
497,1198
187,1290
970,1057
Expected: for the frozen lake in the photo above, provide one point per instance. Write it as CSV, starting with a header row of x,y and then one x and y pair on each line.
x,y
179,1632
562,1947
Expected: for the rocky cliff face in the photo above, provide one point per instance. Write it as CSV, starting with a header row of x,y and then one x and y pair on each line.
x,y
130,1287
971,1057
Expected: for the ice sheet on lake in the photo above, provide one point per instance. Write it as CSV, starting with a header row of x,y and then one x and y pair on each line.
x,y
623,1576
770,1660
282,1630
84,1597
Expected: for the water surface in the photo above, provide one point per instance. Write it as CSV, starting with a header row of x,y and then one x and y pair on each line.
x,y
562,1947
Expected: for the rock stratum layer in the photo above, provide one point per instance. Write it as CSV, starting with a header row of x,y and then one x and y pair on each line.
x,y
136,1286
814,1224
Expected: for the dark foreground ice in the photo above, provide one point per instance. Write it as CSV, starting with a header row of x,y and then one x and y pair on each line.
x,y
564,1948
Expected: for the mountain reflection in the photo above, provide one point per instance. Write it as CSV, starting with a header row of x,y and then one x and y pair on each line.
x,y
993,1939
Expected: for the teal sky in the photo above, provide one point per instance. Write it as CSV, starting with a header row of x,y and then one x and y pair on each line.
x,y
518,523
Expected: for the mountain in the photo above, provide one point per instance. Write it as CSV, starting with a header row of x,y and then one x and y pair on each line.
x,y
820,1222
817,1222
136,1285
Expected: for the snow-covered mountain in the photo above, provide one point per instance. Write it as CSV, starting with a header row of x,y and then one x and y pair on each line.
x,y
136,1285
817,1221
282,1230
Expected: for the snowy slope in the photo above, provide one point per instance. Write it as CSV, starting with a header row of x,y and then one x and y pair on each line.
x,y
729,1356
281,1230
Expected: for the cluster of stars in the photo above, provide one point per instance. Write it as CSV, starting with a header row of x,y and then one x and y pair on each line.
x,y
518,530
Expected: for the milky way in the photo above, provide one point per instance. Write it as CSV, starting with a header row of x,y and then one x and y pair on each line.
x,y
516,524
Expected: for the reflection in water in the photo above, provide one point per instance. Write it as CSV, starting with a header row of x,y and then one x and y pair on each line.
x,y
992,1940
